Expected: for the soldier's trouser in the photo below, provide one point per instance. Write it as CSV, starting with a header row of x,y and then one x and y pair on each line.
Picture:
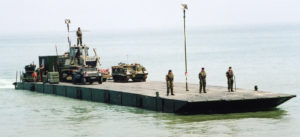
x,y
230,84
168,90
202,86
79,41
169,87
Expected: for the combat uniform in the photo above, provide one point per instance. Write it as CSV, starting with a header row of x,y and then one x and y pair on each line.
x,y
229,75
79,37
170,84
202,78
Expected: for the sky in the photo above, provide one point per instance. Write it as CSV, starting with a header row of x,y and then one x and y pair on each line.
x,y
131,15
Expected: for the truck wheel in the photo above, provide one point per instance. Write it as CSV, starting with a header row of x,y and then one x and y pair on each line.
x,y
104,79
125,79
100,80
116,79
74,81
83,81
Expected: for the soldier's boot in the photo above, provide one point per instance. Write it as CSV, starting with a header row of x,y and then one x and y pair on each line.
x,y
204,89
172,93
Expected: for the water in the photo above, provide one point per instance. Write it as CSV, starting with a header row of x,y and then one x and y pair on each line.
x,y
266,56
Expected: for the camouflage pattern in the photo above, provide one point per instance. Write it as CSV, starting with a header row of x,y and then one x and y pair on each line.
x,y
79,37
202,78
124,72
230,75
170,83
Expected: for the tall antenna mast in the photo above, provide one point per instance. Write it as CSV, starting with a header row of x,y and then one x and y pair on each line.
x,y
184,7
68,21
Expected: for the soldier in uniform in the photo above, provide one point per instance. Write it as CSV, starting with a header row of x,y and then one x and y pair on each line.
x,y
170,84
79,36
230,75
202,78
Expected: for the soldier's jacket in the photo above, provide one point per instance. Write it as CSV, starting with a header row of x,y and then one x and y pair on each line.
x,y
229,75
202,75
170,79
79,34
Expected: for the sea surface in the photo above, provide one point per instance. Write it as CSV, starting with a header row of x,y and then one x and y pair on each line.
x,y
265,55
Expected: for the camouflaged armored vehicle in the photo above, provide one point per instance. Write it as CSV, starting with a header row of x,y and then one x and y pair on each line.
x,y
27,76
123,72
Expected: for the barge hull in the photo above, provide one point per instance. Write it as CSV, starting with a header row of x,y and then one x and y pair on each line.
x,y
168,104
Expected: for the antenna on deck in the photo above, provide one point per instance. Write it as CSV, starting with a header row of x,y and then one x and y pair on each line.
x,y
68,21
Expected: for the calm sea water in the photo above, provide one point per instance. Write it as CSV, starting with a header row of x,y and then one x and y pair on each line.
x,y
267,56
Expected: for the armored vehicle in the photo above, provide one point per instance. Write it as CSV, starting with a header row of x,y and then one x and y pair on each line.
x,y
123,72
28,75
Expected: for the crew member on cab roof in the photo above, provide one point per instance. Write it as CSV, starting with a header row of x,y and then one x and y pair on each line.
x,y
79,37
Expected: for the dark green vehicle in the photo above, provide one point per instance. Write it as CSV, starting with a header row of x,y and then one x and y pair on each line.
x,y
124,72
27,76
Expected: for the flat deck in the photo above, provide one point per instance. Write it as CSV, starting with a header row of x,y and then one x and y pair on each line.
x,y
214,93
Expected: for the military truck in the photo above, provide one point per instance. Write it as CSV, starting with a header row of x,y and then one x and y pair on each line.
x,y
84,75
73,66
124,72
78,59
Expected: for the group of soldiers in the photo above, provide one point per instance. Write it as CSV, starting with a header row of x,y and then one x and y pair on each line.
x,y
202,83
170,76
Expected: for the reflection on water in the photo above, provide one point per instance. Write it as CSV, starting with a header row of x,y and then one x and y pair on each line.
x,y
273,114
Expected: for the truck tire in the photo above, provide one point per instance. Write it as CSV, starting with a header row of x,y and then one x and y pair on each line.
x,y
100,80
74,81
83,81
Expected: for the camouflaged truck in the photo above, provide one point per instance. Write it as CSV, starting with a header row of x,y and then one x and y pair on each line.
x,y
124,72
77,66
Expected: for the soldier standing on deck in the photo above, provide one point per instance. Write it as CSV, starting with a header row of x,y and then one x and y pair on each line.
x,y
230,75
202,78
170,84
79,37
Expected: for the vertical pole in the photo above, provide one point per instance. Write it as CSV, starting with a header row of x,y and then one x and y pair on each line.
x,y
186,83
16,76
69,37
20,76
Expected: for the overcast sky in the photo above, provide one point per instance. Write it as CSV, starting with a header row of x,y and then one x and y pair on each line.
x,y
115,15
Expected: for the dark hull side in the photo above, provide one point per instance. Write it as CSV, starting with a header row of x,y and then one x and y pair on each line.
x,y
223,106
155,103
